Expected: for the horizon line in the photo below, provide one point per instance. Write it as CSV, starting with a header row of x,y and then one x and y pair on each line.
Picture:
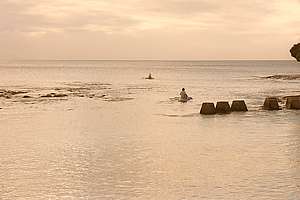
x,y
137,60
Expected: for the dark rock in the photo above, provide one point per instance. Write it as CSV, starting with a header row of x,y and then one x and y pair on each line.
x,y
9,93
54,95
208,109
271,103
223,107
26,96
47,95
238,106
293,102
6,95
295,51
16,92
284,76
60,95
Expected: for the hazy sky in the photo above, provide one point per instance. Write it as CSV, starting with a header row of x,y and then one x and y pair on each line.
x,y
148,29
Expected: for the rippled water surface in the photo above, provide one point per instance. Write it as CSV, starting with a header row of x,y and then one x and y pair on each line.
x,y
99,130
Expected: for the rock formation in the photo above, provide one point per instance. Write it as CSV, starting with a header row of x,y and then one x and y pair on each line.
x,y
9,93
295,51
208,109
284,76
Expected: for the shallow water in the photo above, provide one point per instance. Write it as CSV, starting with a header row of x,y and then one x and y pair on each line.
x,y
118,136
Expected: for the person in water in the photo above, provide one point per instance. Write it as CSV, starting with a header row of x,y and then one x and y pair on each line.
x,y
149,76
183,95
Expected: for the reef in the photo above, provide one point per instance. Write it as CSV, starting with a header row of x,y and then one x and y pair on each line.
x,y
284,76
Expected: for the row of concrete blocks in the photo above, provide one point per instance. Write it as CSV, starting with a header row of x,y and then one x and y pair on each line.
x,y
270,103
223,107
292,102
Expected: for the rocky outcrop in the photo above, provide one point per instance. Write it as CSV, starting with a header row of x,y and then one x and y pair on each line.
x,y
284,76
9,93
295,51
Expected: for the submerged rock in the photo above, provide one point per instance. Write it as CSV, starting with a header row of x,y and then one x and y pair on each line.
x,y
60,95
54,95
47,95
6,95
15,92
271,103
223,107
208,109
101,96
295,51
9,93
117,99
238,106
284,76
293,102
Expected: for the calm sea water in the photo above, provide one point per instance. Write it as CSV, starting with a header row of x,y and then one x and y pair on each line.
x,y
118,136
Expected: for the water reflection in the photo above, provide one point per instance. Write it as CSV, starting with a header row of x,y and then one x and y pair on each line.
x,y
136,143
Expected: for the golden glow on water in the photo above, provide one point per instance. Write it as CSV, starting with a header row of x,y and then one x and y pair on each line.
x,y
148,147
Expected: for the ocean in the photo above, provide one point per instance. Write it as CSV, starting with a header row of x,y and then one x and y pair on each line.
x,y
100,130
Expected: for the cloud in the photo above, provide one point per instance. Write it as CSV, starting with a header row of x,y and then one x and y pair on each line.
x,y
136,25
60,16
117,16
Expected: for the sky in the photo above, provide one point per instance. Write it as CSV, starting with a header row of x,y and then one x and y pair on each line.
x,y
148,29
